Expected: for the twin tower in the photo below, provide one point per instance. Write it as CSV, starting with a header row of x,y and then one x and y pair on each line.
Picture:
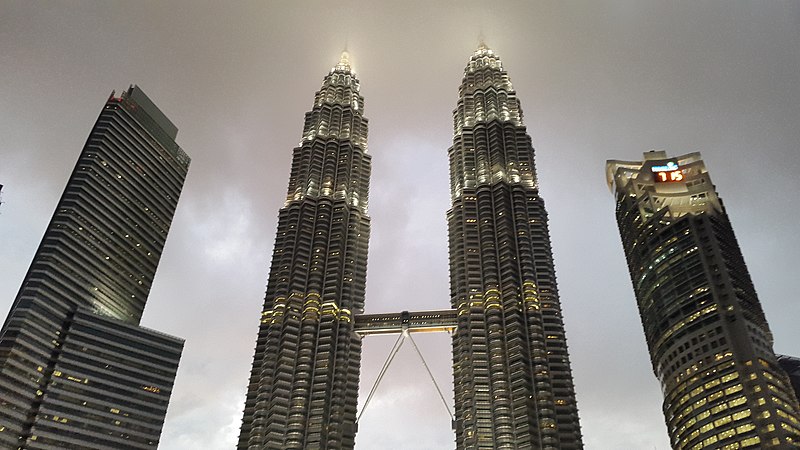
x,y
709,341
77,371
512,378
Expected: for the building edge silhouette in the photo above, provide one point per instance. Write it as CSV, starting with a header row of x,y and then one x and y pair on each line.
x,y
76,369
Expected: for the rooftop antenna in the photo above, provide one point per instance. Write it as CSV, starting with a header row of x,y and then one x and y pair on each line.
x,y
344,60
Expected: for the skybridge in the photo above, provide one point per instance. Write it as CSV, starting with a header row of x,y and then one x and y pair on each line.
x,y
443,320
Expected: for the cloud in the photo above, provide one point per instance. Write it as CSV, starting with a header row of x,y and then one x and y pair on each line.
x,y
597,81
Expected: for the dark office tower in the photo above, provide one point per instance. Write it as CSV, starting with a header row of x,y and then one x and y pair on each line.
x,y
709,342
512,378
304,382
76,370
791,366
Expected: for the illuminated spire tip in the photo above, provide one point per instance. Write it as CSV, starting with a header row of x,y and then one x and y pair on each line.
x,y
344,62
483,49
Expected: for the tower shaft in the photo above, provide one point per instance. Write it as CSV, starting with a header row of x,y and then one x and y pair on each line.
x,y
304,382
512,377
76,370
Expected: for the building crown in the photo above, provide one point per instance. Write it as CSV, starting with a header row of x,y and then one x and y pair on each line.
x,y
344,64
484,57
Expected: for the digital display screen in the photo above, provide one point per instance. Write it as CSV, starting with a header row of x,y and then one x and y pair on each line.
x,y
670,172
666,177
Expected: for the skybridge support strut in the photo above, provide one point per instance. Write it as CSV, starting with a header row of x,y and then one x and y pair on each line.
x,y
405,323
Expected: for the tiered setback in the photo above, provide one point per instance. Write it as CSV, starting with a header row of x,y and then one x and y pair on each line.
x,y
512,378
92,274
304,382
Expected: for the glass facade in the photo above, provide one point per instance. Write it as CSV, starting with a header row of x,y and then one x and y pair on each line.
x,y
74,364
709,342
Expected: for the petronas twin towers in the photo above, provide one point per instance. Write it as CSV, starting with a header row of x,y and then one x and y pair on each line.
x,y
304,382
512,378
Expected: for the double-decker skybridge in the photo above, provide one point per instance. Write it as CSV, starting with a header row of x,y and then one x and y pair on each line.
x,y
395,323
404,323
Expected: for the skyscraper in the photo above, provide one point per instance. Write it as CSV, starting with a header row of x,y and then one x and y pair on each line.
x,y
76,369
791,366
709,342
512,378
304,381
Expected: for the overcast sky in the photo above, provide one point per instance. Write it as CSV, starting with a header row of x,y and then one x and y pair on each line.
x,y
597,80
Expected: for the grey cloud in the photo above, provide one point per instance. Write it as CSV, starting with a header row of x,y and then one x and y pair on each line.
x,y
597,80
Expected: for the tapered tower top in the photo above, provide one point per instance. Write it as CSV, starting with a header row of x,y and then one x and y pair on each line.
x,y
344,64
483,58
486,92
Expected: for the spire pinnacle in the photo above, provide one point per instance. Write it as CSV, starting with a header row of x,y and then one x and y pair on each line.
x,y
483,49
344,62
482,42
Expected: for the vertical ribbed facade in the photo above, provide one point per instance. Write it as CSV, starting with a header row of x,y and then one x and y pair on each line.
x,y
710,345
304,381
76,370
512,378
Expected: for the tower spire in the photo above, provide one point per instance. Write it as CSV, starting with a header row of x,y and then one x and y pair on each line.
x,y
505,296
303,388
344,61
